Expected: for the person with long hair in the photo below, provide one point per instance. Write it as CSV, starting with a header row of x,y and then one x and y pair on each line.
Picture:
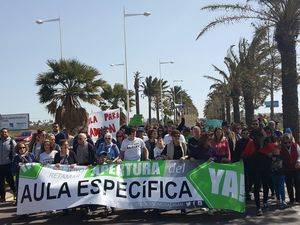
x,y
48,153
151,142
221,146
65,156
22,156
176,149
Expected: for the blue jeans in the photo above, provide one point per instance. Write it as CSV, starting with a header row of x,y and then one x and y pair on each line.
x,y
278,183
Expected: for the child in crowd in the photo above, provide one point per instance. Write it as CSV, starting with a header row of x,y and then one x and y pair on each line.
x,y
160,145
278,177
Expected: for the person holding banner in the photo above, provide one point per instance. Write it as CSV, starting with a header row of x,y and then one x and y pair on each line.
x,y
108,148
221,145
65,156
48,153
84,151
176,149
133,148
151,142
22,156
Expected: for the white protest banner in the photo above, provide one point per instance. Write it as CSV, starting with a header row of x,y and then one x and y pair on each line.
x,y
170,184
98,120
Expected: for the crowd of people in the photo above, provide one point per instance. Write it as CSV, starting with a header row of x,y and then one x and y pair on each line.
x,y
271,158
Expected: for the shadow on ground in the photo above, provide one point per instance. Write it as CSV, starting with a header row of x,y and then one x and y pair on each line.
x,y
272,216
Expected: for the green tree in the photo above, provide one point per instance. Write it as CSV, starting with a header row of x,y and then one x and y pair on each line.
x,y
115,97
137,79
230,85
221,92
160,91
149,90
254,69
65,86
284,17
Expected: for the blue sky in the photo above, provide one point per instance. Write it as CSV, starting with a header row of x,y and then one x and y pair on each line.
x,y
92,33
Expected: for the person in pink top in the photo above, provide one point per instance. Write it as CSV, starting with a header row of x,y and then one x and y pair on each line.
x,y
221,146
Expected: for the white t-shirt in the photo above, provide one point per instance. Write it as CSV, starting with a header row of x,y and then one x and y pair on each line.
x,y
168,139
132,149
157,151
46,158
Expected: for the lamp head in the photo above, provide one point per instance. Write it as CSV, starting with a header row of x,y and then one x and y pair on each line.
x,y
147,14
39,21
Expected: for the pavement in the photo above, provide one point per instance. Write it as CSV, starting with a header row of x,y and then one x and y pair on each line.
x,y
273,215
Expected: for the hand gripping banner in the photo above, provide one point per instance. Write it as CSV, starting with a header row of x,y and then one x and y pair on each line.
x,y
171,184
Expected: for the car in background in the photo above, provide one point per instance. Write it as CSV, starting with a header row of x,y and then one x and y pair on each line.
x,y
25,135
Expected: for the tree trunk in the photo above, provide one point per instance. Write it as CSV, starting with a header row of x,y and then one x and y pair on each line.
x,y
227,105
272,97
137,101
136,89
236,109
149,108
249,107
223,114
157,109
290,109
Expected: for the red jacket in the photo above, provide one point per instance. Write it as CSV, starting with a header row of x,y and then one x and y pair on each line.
x,y
289,159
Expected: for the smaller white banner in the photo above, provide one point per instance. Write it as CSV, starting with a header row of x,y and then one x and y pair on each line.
x,y
98,120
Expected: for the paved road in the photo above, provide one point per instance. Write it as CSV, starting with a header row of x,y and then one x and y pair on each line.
x,y
273,216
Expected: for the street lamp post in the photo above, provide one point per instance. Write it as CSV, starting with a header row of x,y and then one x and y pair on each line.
x,y
125,55
60,31
161,95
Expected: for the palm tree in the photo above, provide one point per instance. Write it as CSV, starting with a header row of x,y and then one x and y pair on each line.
x,y
115,97
137,78
160,90
214,106
284,17
65,86
254,66
230,84
149,90
222,89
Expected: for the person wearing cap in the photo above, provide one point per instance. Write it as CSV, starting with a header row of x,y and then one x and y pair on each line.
x,y
133,148
140,133
108,149
274,127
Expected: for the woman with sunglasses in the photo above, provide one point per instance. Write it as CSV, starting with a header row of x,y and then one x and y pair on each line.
x,y
120,137
22,156
290,153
